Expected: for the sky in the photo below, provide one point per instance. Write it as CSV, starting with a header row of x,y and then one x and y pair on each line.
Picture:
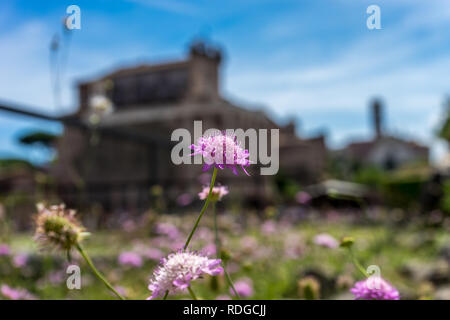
x,y
314,61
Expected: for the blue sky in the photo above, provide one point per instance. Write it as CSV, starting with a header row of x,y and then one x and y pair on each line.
x,y
313,60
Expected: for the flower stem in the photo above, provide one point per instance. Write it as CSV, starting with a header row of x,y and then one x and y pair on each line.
x,y
205,206
356,262
96,272
216,230
166,294
192,293
230,282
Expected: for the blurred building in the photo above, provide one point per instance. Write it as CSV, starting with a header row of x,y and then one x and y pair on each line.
x,y
384,151
148,103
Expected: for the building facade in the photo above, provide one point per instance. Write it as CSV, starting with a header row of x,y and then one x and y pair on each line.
x,y
128,146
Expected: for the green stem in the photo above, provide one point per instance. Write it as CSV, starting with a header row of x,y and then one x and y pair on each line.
x,y
96,272
216,230
166,294
192,293
230,282
356,262
213,180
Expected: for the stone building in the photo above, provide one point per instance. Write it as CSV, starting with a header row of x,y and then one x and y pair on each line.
x,y
384,151
147,103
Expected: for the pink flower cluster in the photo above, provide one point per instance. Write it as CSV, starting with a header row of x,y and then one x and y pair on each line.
x,y
15,294
177,271
375,288
217,193
222,151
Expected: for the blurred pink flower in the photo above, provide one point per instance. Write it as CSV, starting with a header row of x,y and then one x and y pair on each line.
x,y
303,197
130,259
153,254
4,250
216,195
167,229
15,294
209,249
20,260
244,287
184,199
326,240
223,297
269,227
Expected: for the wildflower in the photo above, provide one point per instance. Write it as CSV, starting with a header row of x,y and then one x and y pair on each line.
x,y
375,288
244,287
4,250
184,199
269,227
177,271
223,297
222,151
15,294
20,260
130,259
153,254
326,240
58,227
168,230
302,197
217,193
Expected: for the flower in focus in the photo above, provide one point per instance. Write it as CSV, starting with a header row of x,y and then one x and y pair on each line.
x,y
244,287
177,271
222,151
130,259
217,193
374,288
4,250
58,228
326,240
15,294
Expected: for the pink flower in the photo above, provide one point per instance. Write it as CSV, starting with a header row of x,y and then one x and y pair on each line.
x,y
130,259
221,151
168,230
184,199
153,254
4,250
302,197
15,294
20,260
217,193
223,297
374,288
244,287
326,240
268,227
178,270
